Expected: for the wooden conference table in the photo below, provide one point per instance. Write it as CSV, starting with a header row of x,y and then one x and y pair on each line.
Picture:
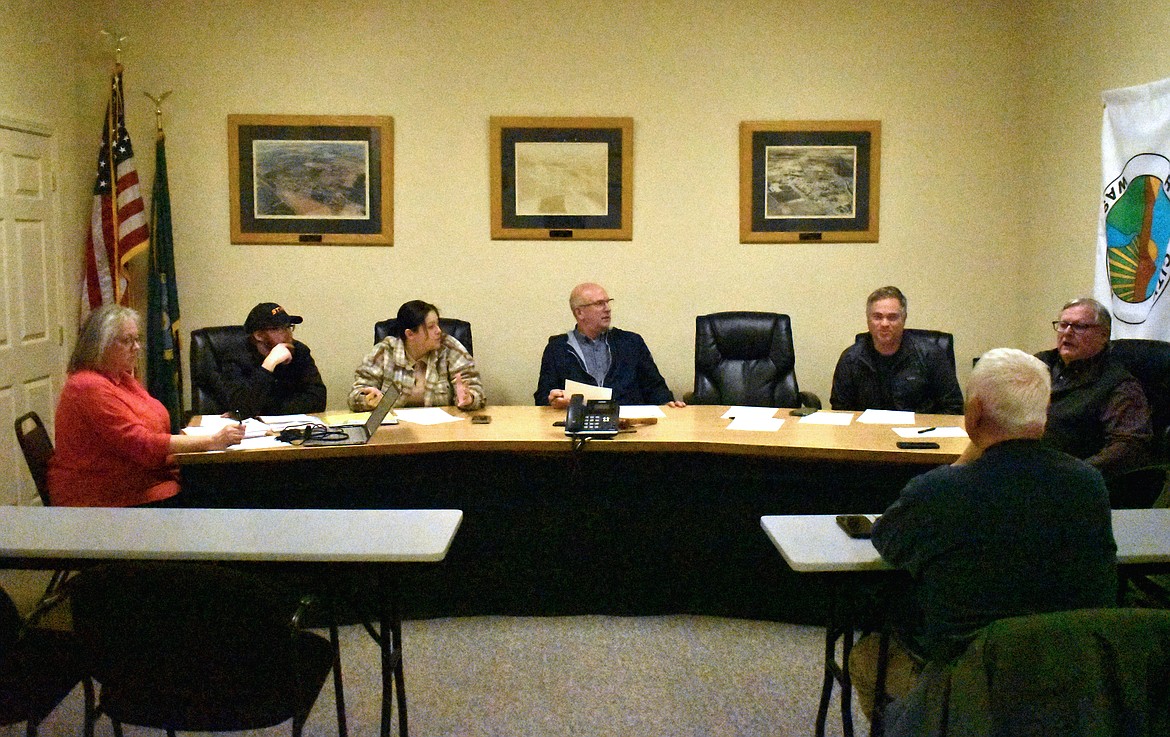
x,y
815,544
61,537
660,520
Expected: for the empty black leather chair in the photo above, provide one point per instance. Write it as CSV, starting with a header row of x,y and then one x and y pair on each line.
x,y
458,329
746,358
207,346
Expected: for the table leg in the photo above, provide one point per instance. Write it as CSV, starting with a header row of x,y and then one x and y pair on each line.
x,y
390,639
839,626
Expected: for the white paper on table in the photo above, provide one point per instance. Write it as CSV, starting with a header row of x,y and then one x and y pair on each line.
x,y
639,411
827,418
264,441
588,391
886,417
279,422
756,422
425,415
937,432
211,424
759,413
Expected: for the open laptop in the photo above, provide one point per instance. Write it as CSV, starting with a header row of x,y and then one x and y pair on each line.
x,y
359,434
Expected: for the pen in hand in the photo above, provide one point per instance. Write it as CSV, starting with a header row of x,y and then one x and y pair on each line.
x,y
926,429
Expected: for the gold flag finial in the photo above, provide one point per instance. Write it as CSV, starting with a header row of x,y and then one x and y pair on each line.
x,y
158,108
117,39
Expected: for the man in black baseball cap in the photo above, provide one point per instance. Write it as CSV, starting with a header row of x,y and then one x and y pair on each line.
x,y
272,374
269,315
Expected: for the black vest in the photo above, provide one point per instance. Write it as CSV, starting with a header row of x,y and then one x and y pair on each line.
x,y
1079,401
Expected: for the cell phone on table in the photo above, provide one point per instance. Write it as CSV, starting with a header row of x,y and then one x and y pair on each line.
x,y
855,525
481,419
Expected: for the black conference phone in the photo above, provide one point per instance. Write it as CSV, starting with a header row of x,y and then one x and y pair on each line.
x,y
597,418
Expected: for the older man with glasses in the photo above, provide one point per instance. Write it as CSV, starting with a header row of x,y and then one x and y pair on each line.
x,y
1098,411
595,353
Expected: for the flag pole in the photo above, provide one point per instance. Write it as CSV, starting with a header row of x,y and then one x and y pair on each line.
x,y
112,116
112,135
118,226
163,356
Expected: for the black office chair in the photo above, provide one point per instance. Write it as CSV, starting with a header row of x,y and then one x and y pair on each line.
x,y
38,668
1074,673
747,358
207,347
196,647
1149,362
460,330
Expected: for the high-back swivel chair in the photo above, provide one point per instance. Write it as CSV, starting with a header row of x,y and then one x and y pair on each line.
x,y
1149,362
747,358
208,346
458,329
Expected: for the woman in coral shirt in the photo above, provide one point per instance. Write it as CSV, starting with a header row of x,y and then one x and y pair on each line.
x,y
114,441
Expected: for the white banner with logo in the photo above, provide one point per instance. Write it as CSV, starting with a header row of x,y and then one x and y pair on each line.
x,y
1133,267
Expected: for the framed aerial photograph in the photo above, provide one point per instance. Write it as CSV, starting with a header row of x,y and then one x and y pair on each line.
x,y
562,178
311,179
809,181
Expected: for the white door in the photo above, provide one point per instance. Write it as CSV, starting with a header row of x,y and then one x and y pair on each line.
x,y
31,365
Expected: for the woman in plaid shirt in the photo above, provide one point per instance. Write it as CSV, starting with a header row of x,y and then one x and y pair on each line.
x,y
428,368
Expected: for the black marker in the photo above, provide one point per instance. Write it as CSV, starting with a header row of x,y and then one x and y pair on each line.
x,y
926,429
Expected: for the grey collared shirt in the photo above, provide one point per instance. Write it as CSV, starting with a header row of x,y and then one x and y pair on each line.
x,y
594,353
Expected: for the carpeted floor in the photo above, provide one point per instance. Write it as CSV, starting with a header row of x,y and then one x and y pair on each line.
x,y
669,676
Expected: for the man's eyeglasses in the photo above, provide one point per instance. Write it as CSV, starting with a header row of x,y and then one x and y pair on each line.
x,y
598,303
1076,327
281,328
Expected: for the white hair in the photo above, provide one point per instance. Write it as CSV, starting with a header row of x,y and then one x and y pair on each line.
x,y
1013,388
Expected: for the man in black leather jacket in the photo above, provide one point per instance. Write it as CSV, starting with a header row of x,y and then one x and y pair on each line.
x,y
888,369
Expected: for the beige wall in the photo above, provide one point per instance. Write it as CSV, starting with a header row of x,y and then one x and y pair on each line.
x,y
1079,48
40,72
990,121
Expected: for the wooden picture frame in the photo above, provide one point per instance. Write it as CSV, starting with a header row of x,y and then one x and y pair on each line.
x,y
311,179
809,181
562,178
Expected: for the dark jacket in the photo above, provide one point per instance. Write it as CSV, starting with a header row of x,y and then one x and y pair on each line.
x,y
1022,529
922,379
633,376
292,388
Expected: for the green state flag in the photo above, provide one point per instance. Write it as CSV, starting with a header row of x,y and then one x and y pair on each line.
x,y
164,373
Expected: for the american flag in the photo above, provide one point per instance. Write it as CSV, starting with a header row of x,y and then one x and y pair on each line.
x,y
118,226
